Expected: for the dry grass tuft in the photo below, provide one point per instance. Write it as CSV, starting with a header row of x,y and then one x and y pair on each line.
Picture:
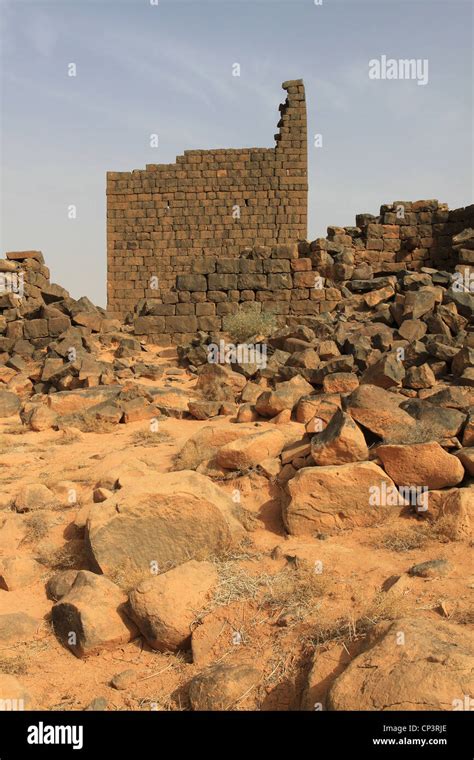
x,y
384,607
236,584
342,629
37,527
445,530
296,591
407,539
292,592
349,629
128,578
14,666
463,617
70,556
66,438
147,438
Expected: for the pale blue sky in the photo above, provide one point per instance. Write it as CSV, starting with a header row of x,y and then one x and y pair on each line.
x,y
167,69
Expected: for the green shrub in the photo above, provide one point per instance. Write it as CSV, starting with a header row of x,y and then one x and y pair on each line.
x,y
247,323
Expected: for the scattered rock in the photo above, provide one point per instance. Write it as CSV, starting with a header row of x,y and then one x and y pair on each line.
x,y
34,496
466,457
249,450
286,396
91,616
223,686
124,680
97,704
378,410
334,497
60,584
342,441
165,606
164,520
17,572
9,404
421,464
408,664
432,568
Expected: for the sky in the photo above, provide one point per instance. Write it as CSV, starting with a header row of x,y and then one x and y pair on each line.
x,y
166,67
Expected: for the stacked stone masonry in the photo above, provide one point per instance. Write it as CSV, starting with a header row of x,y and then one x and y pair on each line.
x,y
210,202
187,243
299,280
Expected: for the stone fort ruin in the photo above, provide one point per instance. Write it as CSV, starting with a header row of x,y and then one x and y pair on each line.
x,y
221,230
209,203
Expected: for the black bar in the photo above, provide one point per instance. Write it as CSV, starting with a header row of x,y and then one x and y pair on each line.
x,y
130,734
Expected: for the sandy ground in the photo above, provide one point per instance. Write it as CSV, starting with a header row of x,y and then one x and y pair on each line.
x,y
281,626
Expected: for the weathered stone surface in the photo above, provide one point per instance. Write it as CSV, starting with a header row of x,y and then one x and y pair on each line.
x,y
378,410
17,626
172,402
432,670
91,616
250,450
69,402
421,464
168,519
286,396
463,360
342,441
202,410
418,302
165,606
340,382
386,373
412,329
321,406
60,584
431,568
9,404
206,443
334,497
17,572
222,686
34,496
435,423
41,418
466,457
306,359
419,377
453,512
454,397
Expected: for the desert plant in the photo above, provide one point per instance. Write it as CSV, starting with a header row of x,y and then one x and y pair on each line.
x,y
246,323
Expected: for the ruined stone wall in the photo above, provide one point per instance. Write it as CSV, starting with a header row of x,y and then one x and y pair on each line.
x,y
299,280
209,203
274,279
405,235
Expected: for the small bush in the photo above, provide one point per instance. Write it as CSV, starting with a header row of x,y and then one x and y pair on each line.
x,y
406,540
247,323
